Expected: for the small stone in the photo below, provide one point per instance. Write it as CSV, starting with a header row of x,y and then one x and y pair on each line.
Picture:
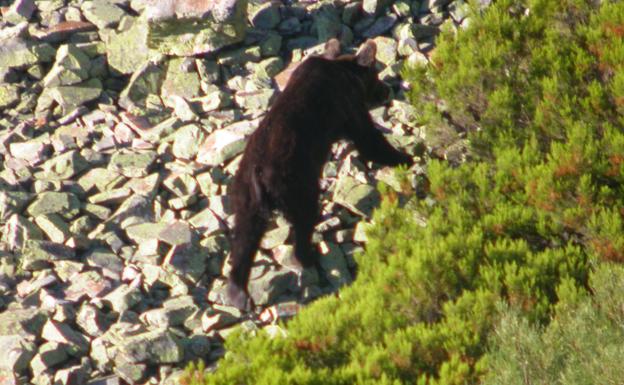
x,y
154,347
221,146
267,288
271,44
113,196
275,237
127,51
327,23
71,67
71,97
215,320
334,264
37,255
88,284
289,26
123,298
174,312
62,333
9,95
91,320
54,227
18,230
255,100
375,7
381,26
20,10
71,376
50,354
358,197
206,222
20,54
132,164
386,50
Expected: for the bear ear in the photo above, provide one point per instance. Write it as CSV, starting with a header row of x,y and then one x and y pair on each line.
x,y
332,49
365,55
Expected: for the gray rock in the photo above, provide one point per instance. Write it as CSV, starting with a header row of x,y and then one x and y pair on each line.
x,y
215,320
356,196
65,204
91,320
266,16
326,23
54,227
17,352
90,284
77,344
132,164
102,13
19,11
187,141
185,28
381,26
71,376
375,7
127,51
20,54
17,230
270,286
174,312
38,255
145,81
50,354
153,347
70,67
71,97
221,146
334,264
123,298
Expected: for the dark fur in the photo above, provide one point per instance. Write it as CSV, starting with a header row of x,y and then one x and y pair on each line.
x,y
326,99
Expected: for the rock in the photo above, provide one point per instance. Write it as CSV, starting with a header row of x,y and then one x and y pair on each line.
x,y
381,26
70,67
63,167
266,16
206,222
127,51
71,376
356,196
123,298
327,23
268,287
50,354
62,31
174,312
77,343
20,10
91,320
37,255
375,7
275,237
221,146
9,95
386,50
185,28
219,319
71,97
187,141
132,164
153,347
17,230
255,100
88,284
17,352
102,13
54,227
334,264
179,81
63,203
19,54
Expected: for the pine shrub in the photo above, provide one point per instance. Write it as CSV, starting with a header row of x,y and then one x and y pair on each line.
x,y
538,87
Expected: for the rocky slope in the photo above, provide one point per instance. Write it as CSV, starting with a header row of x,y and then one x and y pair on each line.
x,y
121,125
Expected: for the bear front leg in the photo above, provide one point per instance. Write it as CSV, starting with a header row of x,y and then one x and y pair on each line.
x,y
247,234
372,144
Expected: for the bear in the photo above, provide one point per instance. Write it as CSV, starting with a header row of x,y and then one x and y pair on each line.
x,y
326,99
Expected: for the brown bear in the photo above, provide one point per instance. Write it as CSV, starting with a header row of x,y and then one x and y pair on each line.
x,y
326,99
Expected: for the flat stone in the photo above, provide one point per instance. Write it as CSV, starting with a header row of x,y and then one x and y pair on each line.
x,y
62,31
63,167
71,376
179,81
132,164
63,203
20,54
187,140
71,97
54,227
381,26
37,255
267,288
123,298
20,10
63,333
154,347
146,80
174,312
206,222
89,284
102,13
221,146
375,7
127,51
358,197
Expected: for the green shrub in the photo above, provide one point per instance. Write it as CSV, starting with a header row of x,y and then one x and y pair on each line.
x,y
583,344
537,85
